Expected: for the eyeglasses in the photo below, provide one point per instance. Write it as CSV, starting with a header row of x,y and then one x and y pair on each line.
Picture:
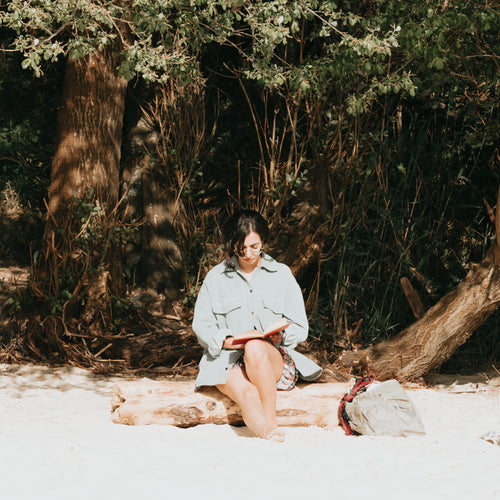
x,y
255,249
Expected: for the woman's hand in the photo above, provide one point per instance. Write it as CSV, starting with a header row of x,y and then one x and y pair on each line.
x,y
228,343
276,338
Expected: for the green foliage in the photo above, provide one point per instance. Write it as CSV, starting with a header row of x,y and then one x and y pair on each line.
x,y
95,234
158,39
24,163
27,127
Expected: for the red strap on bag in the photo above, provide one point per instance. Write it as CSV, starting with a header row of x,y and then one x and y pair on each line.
x,y
360,386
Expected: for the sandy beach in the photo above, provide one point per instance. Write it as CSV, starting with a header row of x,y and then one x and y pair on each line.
x,y
57,441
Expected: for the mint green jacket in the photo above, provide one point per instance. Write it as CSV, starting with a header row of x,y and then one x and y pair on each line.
x,y
229,304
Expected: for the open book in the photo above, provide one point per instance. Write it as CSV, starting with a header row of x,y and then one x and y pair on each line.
x,y
275,327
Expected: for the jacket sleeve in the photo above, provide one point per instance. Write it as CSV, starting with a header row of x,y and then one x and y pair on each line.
x,y
209,333
295,312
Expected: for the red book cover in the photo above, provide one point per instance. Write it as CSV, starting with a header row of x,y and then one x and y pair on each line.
x,y
275,327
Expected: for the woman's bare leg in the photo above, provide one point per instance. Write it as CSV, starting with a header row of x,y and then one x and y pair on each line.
x,y
264,367
254,388
245,394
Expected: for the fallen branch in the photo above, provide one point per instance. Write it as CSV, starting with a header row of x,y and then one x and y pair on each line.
x,y
413,298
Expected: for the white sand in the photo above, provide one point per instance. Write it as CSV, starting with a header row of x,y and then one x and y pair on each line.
x,y
57,442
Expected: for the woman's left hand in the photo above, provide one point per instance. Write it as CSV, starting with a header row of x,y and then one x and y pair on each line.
x,y
276,338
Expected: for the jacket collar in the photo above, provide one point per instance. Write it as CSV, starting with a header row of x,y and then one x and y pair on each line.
x,y
267,263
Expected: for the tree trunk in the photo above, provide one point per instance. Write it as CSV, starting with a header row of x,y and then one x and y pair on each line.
x,y
154,255
79,257
89,133
431,340
176,403
165,147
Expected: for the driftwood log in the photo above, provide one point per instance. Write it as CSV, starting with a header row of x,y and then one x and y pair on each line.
x,y
175,403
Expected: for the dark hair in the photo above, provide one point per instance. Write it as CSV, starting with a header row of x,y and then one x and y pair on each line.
x,y
239,226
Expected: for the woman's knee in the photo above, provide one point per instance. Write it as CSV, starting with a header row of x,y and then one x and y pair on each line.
x,y
255,353
258,353
255,348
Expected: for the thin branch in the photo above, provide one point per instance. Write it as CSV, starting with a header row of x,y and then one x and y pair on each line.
x,y
497,223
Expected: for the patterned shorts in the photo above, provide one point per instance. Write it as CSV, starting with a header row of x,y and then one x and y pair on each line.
x,y
290,374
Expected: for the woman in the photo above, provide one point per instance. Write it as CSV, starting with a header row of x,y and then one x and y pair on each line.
x,y
243,295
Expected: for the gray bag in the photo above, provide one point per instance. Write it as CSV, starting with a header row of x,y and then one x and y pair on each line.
x,y
384,409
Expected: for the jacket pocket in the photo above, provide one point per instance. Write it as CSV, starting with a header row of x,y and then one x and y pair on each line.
x,y
227,311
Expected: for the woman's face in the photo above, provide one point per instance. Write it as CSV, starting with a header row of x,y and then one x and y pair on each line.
x,y
252,248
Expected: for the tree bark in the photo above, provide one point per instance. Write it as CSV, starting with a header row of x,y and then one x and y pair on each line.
x,y
431,340
165,146
89,134
176,403
85,167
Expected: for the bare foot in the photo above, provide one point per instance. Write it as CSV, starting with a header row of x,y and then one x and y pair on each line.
x,y
277,435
